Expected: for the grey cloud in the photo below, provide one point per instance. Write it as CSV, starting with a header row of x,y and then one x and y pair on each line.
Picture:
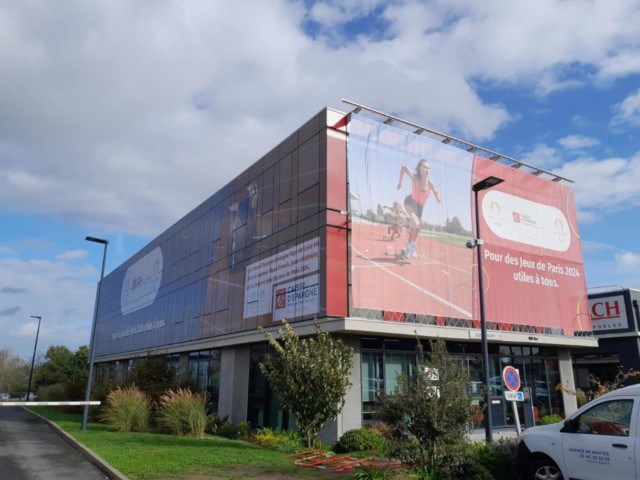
x,y
13,290
7,312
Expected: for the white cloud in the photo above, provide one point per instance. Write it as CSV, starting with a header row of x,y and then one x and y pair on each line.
x,y
577,142
4,250
628,111
628,260
122,116
61,293
601,185
604,185
72,255
36,243
543,156
546,42
338,12
590,246
581,121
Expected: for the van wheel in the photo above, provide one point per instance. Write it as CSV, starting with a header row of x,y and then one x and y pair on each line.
x,y
544,469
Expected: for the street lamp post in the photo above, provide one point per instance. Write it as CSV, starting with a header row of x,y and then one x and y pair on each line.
x,y
484,185
33,360
87,397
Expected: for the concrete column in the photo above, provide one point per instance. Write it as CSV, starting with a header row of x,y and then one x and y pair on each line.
x,y
234,383
351,415
566,378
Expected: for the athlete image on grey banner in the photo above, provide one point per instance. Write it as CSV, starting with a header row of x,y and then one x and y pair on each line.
x,y
242,229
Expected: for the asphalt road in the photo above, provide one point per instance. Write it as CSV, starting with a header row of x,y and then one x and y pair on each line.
x,y
31,450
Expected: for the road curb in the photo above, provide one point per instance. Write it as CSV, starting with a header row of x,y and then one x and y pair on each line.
x,y
89,454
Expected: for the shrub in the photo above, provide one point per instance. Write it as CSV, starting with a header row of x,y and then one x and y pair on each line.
x,y
184,412
309,375
427,412
126,409
234,431
292,444
549,419
52,393
499,458
359,439
472,470
285,442
424,473
371,472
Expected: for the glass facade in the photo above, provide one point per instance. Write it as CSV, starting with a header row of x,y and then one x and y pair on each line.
x,y
204,367
382,360
264,409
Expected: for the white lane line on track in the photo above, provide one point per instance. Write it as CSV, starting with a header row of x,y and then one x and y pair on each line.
x,y
416,286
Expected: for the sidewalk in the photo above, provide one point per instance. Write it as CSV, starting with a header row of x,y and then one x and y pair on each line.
x,y
110,472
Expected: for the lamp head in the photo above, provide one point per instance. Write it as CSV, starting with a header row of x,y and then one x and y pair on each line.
x,y
487,183
97,240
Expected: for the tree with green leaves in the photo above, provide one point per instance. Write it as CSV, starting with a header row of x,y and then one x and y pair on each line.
x,y
310,376
65,368
13,372
57,367
427,414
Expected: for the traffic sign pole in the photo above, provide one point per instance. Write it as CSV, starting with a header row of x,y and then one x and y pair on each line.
x,y
511,379
516,417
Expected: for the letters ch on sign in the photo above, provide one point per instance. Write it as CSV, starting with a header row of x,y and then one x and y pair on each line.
x,y
609,309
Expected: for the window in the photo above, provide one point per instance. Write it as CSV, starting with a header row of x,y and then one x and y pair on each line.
x,y
608,418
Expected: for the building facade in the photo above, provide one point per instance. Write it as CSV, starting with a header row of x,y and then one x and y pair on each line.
x,y
615,317
360,220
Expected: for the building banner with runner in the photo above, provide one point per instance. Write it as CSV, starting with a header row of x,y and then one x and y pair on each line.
x,y
412,216
410,222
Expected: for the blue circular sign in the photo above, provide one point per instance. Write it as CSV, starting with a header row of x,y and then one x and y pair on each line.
x,y
511,378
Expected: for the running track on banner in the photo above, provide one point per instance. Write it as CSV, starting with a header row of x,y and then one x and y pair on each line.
x,y
438,282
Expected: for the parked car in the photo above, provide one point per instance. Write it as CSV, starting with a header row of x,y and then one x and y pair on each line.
x,y
596,442
32,397
5,396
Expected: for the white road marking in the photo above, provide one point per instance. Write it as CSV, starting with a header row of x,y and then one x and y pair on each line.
x,y
414,285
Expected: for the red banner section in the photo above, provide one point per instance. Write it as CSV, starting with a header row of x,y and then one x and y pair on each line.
x,y
412,202
531,254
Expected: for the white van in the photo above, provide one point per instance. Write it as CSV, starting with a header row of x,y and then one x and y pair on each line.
x,y
597,442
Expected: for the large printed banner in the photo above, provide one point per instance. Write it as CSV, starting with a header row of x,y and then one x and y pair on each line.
x,y
412,210
532,258
283,284
411,219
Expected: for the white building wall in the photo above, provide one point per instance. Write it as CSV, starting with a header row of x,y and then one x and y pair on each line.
x,y
351,415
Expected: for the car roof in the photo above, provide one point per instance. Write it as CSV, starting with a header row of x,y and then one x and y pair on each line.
x,y
630,391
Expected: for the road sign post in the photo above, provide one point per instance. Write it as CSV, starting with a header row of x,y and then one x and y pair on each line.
x,y
511,380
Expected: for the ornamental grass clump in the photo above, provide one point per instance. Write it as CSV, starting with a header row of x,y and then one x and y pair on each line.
x,y
127,409
184,412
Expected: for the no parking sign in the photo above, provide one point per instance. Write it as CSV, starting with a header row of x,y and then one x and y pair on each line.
x,y
511,378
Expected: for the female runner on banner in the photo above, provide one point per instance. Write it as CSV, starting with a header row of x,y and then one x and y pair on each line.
x,y
414,203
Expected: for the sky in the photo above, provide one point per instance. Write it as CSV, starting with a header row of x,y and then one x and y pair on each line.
x,y
117,118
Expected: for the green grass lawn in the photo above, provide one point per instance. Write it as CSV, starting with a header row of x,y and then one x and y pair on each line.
x,y
158,455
